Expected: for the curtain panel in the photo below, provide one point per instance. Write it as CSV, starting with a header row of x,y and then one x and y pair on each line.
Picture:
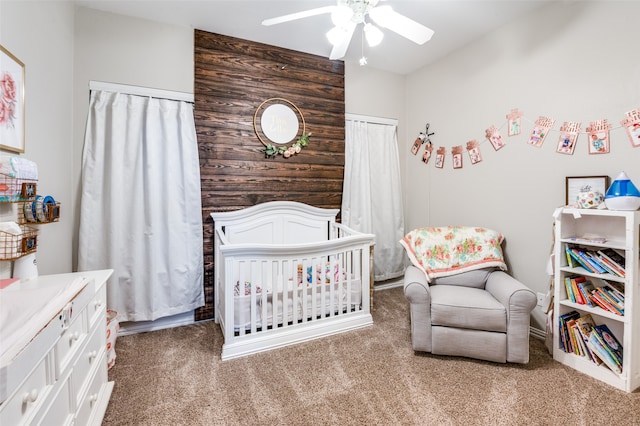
x,y
372,195
140,207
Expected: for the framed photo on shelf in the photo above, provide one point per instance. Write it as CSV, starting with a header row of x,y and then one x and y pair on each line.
x,y
12,100
577,184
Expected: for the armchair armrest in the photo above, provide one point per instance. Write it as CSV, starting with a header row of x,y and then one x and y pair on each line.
x,y
519,301
416,287
514,295
416,290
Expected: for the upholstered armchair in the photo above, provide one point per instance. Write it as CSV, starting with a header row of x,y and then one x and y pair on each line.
x,y
465,305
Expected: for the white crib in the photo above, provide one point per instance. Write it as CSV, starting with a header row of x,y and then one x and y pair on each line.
x,y
286,272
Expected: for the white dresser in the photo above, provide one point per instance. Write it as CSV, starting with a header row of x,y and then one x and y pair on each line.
x,y
53,364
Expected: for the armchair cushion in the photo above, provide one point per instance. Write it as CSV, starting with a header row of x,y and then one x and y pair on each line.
x,y
466,307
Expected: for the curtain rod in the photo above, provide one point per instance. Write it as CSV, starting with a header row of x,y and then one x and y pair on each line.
x,y
370,119
141,91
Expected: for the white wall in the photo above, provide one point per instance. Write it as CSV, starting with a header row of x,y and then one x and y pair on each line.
x,y
40,34
378,93
572,61
579,66
118,49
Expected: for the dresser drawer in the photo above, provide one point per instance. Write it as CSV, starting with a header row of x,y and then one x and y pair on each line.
x,y
59,412
97,306
70,341
74,328
29,397
96,397
87,362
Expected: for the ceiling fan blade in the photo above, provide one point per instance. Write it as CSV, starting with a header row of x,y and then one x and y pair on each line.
x,y
298,15
340,49
388,18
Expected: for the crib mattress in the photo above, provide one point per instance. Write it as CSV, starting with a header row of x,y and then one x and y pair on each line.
x,y
304,304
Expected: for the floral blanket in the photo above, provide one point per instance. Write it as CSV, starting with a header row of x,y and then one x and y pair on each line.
x,y
450,250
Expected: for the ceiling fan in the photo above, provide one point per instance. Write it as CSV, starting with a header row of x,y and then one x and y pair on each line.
x,y
346,16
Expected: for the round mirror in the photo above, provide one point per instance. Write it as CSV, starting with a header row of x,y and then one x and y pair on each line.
x,y
279,123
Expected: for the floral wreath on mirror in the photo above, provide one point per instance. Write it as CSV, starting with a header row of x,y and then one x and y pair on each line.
x,y
273,150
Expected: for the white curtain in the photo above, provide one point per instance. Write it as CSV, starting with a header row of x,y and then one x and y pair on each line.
x,y
140,209
372,194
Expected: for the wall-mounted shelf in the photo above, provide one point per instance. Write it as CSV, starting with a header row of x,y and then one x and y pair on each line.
x,y
38,211
15,189
32,209
14,245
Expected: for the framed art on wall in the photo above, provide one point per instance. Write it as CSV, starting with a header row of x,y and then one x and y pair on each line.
x,y
577,184
11,102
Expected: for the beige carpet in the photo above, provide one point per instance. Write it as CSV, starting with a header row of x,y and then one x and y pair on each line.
x,y
369,376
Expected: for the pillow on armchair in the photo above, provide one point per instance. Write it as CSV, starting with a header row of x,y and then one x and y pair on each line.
x,y
476,278
452,250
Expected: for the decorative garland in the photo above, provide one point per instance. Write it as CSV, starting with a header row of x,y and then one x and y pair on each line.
x,y
597,131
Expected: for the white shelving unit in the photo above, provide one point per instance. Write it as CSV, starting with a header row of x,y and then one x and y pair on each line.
x,y
621,231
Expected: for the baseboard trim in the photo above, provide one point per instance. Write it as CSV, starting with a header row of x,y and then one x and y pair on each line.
x,y
537,333
388,284
187,318
135,327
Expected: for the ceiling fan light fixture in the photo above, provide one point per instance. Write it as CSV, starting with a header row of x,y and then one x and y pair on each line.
x,y
341,15
335,35
373,34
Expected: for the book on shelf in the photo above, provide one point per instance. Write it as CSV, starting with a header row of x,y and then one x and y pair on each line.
x,y
598,349
614,259
569,289
586,287
612,267
576,291
601,297
585,325
589,238
591,259
616,287
609,341
564,339
613,295
582,262
604,261
579,345
598,263
580,335
571,263
572,284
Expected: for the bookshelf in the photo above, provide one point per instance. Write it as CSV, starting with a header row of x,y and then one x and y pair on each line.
x,y
596,231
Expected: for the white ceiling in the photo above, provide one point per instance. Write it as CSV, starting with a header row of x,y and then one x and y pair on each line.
x,y
455,22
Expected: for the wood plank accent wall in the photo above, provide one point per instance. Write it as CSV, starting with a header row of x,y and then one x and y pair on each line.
x,y
232,78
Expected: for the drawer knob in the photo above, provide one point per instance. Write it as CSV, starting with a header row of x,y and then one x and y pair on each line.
x,y
93,398
30,396
74,336
92,355
98,304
